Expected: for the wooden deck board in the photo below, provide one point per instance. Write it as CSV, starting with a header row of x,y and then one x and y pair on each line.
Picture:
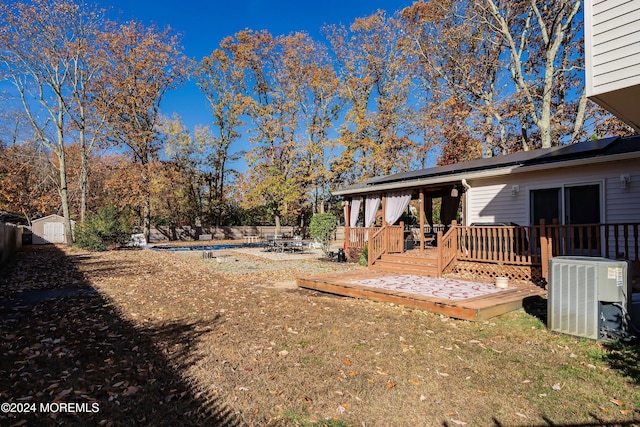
x,y
476,309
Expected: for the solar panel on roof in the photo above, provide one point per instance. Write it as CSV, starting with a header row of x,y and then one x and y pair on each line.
x,y
524,157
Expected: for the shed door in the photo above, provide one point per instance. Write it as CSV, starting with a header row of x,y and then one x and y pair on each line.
x,y
54,232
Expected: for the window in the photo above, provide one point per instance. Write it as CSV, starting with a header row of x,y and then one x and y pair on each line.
x,y
579,204
571,206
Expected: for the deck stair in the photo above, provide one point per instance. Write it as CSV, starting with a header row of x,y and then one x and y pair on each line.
x,y
410,262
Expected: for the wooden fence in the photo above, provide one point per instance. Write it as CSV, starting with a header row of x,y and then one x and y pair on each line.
x,y
10,240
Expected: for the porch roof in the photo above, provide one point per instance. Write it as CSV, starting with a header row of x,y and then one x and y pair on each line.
x,y
587,152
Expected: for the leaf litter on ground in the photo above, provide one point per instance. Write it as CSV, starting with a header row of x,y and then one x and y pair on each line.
x,y
165,336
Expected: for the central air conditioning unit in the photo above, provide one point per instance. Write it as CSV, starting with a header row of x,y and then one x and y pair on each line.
x,y
589,297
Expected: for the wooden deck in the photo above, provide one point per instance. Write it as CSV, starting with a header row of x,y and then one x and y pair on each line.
x,y
477,308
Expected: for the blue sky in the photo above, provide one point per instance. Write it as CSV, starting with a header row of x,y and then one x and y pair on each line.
x,y
203,24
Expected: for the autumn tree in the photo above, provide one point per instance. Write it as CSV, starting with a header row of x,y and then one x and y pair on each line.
x,y
375,85
27,180
271,179
222,81
311,83
182,172
140,64
40,43
457,63
86,119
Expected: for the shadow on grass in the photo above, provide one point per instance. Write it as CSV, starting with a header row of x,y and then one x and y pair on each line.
x,y
62,342
536,306
625,358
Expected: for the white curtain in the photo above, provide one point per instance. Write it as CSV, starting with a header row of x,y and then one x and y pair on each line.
x,y
395,205
371,206
355,211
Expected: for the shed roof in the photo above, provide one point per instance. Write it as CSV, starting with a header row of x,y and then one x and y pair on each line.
x,y
583,152
50,217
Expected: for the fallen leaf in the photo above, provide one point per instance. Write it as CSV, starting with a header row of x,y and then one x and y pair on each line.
x,y
414,382
457,422
616,402
390,385
63,393
131,390
347,362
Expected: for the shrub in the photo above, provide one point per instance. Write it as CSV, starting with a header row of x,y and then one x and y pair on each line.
x,y
363,259
322,227
102,230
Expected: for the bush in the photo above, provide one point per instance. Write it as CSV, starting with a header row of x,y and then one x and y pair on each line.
x,y
363,259
322,227
102,230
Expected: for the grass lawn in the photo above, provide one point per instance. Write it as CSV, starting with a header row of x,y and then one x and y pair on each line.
x,y
171,339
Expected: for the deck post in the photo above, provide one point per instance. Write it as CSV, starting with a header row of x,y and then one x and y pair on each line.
x,y
544,250
347,219
421,207
383,206
439,251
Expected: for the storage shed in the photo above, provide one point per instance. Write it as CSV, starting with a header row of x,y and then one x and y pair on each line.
x,y
49,229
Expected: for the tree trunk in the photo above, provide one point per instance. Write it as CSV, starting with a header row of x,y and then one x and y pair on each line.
x,y
579,121
278,228
64,196
146,207
84,178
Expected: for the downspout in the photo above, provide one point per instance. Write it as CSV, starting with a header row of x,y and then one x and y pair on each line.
x,y
467,187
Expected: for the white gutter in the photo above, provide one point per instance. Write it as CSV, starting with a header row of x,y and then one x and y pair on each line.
x,y
487,173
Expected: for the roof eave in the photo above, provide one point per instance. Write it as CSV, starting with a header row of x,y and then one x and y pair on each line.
x,y
486,173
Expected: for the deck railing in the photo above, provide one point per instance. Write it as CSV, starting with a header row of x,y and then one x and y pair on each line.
x,y
386,239
506,244
358,236
524,246
447,247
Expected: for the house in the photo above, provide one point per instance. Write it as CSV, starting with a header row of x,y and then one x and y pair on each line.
x,y
49,229
509,212
612,57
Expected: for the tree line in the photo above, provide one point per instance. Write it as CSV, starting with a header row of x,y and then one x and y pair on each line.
x,y
438,82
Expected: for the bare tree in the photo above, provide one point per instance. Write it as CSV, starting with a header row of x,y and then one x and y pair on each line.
x,y
536,33
37,48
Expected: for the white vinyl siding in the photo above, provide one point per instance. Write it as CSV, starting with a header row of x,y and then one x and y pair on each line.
x,y
492,200
612,45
